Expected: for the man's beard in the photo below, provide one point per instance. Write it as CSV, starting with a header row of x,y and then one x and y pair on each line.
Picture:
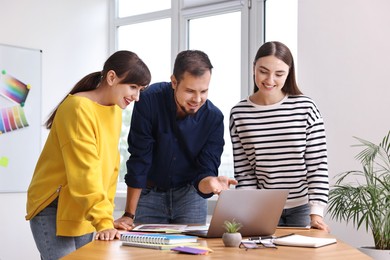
x,y
186,111
182,108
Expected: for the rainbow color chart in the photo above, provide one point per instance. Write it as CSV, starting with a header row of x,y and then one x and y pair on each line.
x,y
13,89
13,117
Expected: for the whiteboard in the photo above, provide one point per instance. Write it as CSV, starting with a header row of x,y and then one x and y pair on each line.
x,y
20,116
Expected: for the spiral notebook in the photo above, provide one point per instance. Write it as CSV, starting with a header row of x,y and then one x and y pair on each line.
x,y
157,238
158,246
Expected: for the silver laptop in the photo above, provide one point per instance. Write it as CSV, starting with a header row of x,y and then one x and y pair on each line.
x,y
257,210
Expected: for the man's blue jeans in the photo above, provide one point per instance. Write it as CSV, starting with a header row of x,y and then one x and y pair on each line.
x,y
177,205
50,246
296,217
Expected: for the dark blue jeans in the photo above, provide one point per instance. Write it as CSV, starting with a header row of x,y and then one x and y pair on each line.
x,y
177,206
50,246
295,217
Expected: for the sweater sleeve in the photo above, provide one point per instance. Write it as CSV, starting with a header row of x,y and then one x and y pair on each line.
x,y
243,170
317,165
113,183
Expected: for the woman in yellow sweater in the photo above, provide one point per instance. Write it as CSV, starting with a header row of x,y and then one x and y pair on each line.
x,y
71,194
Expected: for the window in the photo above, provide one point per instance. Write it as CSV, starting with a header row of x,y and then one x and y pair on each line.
x,y
130,7
141,34
225,86
229,31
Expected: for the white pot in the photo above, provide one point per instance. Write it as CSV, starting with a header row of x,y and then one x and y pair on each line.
x,y
231,239
376,254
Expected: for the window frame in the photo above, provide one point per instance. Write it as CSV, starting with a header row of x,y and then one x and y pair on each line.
x,y
252,30
252,27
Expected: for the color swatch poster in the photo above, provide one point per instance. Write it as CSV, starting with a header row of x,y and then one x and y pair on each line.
x,y
12,117
20,116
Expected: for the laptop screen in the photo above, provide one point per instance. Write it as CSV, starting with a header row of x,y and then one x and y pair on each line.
x,y
257,210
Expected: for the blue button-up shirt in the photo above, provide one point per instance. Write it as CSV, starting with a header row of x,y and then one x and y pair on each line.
x,y
171,152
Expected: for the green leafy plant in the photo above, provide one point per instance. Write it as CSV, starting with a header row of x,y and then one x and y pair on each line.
x,y
366,203
232,226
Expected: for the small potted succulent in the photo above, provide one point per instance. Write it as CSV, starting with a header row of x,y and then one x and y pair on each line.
x,y
232,238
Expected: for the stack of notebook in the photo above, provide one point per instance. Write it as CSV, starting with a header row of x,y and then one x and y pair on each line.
x,y
157,240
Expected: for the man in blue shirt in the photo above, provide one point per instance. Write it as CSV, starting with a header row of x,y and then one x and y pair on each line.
x,y
175,142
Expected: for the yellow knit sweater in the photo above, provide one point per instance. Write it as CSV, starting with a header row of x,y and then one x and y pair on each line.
x,y
79,163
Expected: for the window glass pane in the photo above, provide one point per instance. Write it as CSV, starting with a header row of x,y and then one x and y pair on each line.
x,y
220,37
151,41
135,7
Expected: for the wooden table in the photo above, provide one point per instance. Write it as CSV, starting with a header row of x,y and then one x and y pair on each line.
x,y
102,250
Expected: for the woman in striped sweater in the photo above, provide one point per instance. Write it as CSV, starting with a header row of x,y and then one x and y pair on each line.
x,y
278,139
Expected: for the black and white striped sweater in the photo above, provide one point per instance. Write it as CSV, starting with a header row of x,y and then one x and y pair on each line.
x,y
282,146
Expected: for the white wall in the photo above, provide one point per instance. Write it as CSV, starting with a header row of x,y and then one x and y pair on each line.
x,y
73,37
343,54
